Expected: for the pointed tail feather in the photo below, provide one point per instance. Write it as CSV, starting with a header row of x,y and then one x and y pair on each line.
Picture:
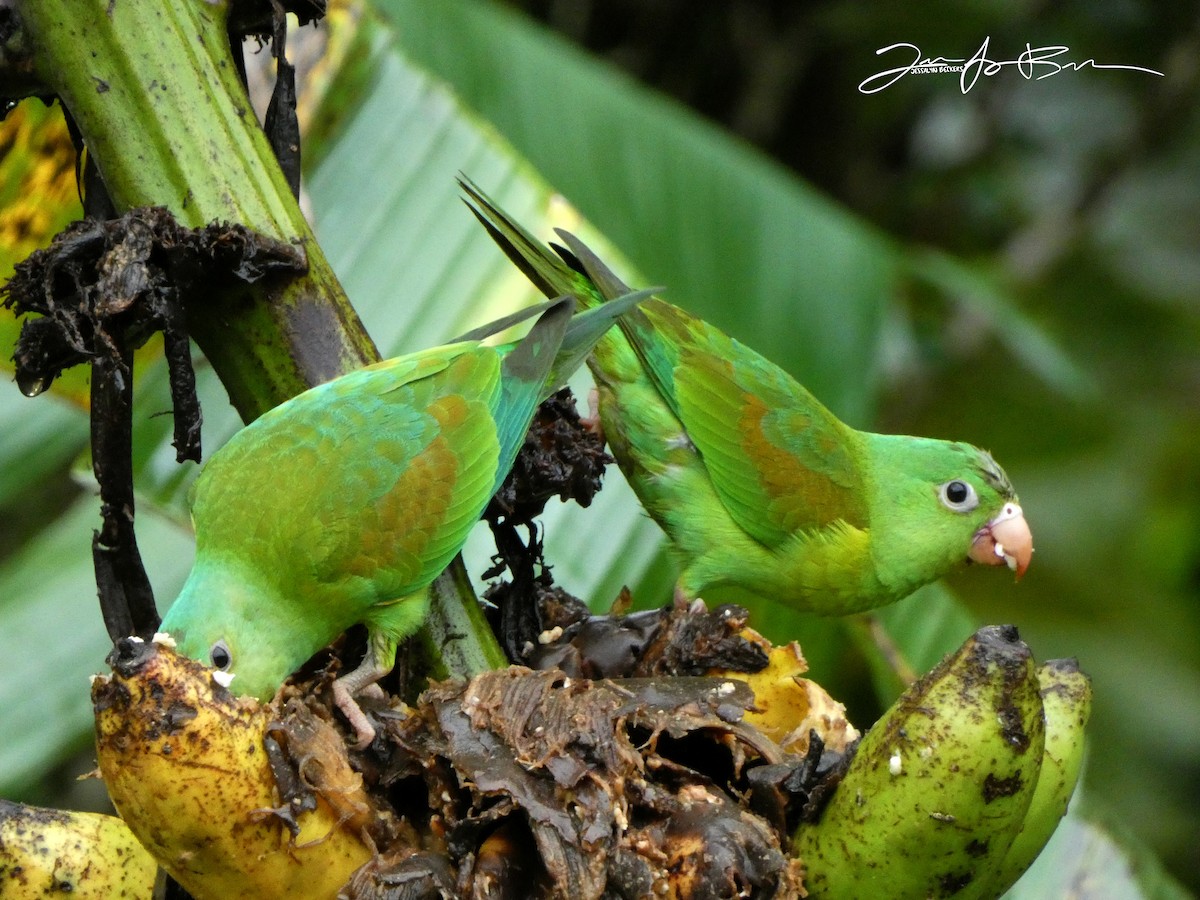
x,y
578,272
643,336
483,332
556,346
586,330
581,258
550,274
524,371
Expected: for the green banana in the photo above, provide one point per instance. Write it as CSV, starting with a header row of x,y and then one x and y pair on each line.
x,y
940,786
90,856
1067,703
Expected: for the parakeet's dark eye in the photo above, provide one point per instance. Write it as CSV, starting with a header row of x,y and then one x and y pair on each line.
x,y
220,656
958,496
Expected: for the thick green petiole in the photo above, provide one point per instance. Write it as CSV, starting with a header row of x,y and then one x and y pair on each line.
x,y
155,93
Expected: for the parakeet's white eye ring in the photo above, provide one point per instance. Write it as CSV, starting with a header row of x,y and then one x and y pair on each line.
x,y
958,495
220,656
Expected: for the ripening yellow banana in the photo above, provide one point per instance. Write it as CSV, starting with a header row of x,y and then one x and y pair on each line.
x,y
940,785
185,765
86,856
787,706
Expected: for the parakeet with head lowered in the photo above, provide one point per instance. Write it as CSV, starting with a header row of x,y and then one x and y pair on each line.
x,y
754,481
341,505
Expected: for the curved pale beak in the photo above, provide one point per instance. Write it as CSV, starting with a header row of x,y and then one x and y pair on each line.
x,y
1005,540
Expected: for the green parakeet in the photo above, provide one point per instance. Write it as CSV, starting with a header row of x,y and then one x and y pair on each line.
x,y
341,505
754,481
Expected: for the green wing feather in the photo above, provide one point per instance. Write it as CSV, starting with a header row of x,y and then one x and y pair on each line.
x,y
310,482
779,460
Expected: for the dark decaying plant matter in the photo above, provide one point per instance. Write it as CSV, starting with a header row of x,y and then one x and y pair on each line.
x,y
98,293
539,784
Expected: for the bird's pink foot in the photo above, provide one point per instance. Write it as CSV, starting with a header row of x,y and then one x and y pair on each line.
x,y
683,600
592,420
363,729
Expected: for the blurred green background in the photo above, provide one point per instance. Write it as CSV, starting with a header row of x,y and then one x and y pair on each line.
x,y
1017,266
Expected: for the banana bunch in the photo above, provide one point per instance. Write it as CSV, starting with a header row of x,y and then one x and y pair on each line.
x,y
48,853
952,793
957,788
186,764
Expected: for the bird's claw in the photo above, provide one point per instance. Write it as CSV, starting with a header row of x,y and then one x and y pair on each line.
x,y
363,729
592,420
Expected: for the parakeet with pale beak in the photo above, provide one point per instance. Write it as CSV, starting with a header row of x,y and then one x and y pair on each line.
x,y
754,481
340,506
